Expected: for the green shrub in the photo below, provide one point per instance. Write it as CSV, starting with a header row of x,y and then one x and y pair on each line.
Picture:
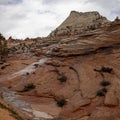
x,y
106,69
27,73
61,102
105,83
3,47
62,78
104,90
100,93
28,87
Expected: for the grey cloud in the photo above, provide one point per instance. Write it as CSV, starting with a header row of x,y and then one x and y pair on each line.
x,y
43,12
106,4
17,16
9,2
34,18
53,1
116,12
109,8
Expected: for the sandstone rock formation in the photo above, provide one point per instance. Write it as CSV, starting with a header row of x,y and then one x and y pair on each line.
x,y
78,22
68,77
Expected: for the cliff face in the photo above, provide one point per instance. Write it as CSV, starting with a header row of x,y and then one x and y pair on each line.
x,y
74,77
78,22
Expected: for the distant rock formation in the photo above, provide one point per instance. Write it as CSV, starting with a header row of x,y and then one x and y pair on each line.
x,y
78,22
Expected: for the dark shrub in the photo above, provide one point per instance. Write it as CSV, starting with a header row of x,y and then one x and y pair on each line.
x,y
100,93
36,65
62,78
106,69
61,102
105,83
104,90
27,73
3,67
28,87
33,72
1,62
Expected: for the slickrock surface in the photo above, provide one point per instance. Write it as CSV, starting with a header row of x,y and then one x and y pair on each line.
x,y
69,77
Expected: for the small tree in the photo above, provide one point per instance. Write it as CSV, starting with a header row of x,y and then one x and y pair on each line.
x,y
61,102
62,78
117,18
28,87
3,47
105,83
100,93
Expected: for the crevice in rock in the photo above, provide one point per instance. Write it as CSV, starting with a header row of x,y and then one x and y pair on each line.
x,y
78,78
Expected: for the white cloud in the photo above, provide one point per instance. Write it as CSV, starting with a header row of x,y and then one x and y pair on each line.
x,y
34,18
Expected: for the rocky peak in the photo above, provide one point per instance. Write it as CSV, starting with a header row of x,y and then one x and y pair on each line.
x,y
78,22
75,13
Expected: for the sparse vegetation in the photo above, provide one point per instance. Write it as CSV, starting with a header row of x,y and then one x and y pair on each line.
x,y
3,48
3,67
28,87
69,28
116,19
105,83
100,93
104,90
62,78
27,73
106,69
55,32
13,113
61,102
36,65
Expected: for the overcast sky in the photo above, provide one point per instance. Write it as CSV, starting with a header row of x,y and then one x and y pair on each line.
x,y
37,18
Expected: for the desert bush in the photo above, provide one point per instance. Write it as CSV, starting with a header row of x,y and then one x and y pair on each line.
x,y
100,93
116,19
28,87
104,90
61,102
104,83
27,73
3,47
106,69
62,78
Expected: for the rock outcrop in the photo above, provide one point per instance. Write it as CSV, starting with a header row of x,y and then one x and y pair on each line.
x,y
78,22
71,77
